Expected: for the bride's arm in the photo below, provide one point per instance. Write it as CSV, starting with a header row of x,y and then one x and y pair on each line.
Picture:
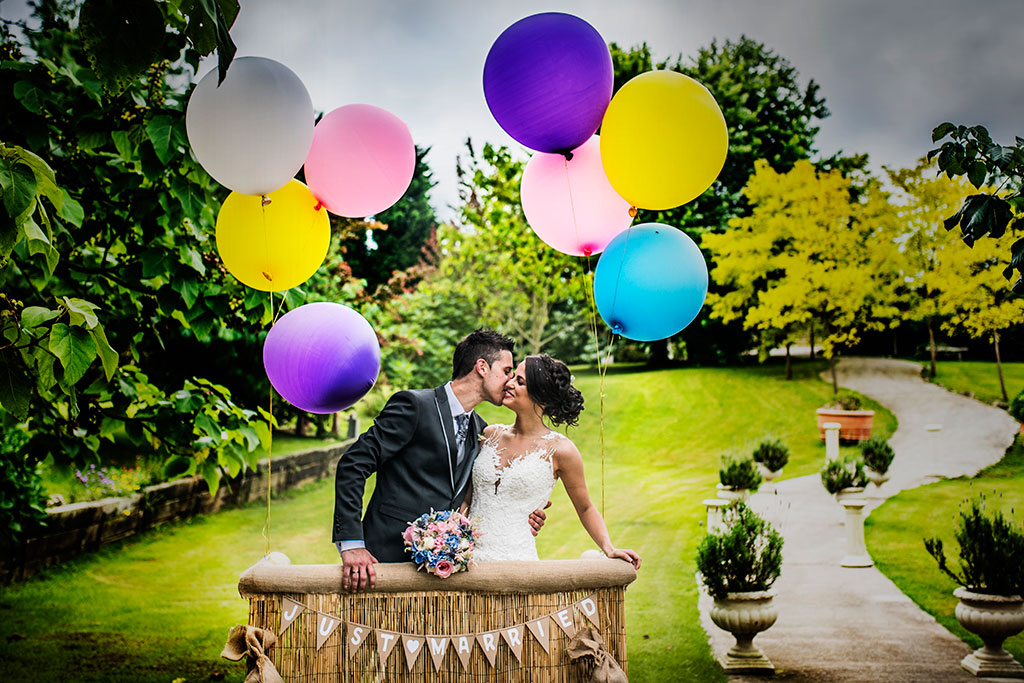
x,y
569,468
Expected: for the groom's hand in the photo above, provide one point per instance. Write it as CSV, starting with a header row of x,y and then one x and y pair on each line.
x,y
537,519
358,571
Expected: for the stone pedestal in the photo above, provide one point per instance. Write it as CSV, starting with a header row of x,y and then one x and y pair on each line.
x,y
714,506
856,551
831,440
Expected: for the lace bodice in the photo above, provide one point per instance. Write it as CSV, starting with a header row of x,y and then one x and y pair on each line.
x,y
503,498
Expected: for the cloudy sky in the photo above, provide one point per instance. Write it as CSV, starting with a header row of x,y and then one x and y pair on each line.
x,y
890,70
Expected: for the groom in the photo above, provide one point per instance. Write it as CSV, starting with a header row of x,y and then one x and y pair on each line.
x,y
422,447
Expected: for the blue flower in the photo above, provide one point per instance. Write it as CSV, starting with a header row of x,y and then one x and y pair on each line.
x,y
419,557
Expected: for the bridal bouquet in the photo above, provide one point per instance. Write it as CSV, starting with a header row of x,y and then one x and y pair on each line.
x,y
442,542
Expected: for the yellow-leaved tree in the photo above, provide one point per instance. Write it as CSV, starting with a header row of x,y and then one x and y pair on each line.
x,y
812,251
974,293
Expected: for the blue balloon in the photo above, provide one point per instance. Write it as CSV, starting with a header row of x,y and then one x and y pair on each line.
x,y
650,282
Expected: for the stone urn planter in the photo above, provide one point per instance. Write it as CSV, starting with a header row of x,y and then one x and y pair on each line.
x,y
877,478
993,618
744,615
731,493
767,474
849,493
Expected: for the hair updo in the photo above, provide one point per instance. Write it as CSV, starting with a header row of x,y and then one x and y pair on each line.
x,y
549,384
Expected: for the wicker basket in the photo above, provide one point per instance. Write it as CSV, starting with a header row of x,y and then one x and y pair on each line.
x,y
490,596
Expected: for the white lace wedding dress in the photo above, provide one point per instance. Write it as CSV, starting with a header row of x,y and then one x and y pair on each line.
x,y
503,498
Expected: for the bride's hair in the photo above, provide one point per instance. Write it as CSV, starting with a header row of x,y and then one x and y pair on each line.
x,y
549,384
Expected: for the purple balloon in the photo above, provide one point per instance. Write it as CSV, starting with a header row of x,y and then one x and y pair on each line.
x,y
322,357
548,80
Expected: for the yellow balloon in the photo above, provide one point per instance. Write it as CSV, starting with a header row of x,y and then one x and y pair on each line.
x,y
663,140
273,245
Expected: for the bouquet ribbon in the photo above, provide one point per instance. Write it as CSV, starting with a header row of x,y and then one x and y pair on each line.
x,y
588,643
253,642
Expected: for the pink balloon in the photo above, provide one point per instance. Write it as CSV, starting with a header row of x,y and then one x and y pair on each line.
x,y
361,161
570,204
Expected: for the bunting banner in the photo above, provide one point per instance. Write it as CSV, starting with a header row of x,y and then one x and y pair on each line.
x,y
413,644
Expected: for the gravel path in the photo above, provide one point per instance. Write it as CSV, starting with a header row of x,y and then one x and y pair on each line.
x,y
852,625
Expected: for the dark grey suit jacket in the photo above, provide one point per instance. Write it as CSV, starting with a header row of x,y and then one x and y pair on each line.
x,y
411,447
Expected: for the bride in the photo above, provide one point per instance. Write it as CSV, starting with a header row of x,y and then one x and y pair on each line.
x,y
519,464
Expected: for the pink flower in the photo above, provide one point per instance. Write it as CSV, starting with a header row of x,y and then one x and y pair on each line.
x,y
407,536
443,569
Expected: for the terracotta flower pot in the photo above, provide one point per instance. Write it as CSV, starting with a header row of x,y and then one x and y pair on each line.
x,y
854,425
994,618
744,615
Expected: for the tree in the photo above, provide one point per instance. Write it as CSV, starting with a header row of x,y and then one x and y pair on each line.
x,y
108,266
808,252
975,297
971,152
398,234
769,116
923,204
515,280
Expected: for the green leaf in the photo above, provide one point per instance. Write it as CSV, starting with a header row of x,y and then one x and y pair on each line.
x,y
976,173
123,143
71,210
22,191
30,96
211,474
231,458
942,130
206,425
15,384
34,316
192,258
10,234
45,178
153,262
81,312
160,131
109,427
177,467
74,348
252,438
189,289
121,39
108,356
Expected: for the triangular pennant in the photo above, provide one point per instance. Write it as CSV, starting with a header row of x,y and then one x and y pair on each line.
x,y
588,606
563,618
463,648
412,646
386,641
289,610
325,625
437,645
489,644
356,635
539,629
514,638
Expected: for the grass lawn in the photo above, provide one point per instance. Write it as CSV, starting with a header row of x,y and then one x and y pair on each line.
x,y
159,606
895,531
980,377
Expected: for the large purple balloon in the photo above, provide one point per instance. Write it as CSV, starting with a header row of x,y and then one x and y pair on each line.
x,y
548,80
322,357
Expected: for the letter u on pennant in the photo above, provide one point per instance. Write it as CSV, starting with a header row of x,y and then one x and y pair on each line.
x,y
325,625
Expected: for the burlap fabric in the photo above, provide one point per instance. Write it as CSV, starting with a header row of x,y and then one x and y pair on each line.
x,y
546,576
588,643
252,642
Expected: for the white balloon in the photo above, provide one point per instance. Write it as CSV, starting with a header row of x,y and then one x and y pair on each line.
x,y
253,132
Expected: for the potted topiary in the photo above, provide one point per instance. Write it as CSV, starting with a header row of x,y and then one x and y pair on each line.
x,y
877,455
771,455
991,579
738,566
1017,409
844,477
738,478
845,408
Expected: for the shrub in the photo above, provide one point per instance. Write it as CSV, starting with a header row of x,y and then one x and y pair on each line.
x,y
22,497
844,401
773,454
843,473
1017,406
746,555
877,454
739,473
991,552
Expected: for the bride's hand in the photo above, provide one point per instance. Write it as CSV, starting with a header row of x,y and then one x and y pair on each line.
x,y
625,554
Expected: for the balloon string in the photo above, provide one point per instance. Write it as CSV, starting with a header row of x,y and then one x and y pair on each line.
x,y
572,207
270,446
588,295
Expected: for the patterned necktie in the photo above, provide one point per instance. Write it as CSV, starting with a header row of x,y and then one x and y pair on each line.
x,y
463,424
